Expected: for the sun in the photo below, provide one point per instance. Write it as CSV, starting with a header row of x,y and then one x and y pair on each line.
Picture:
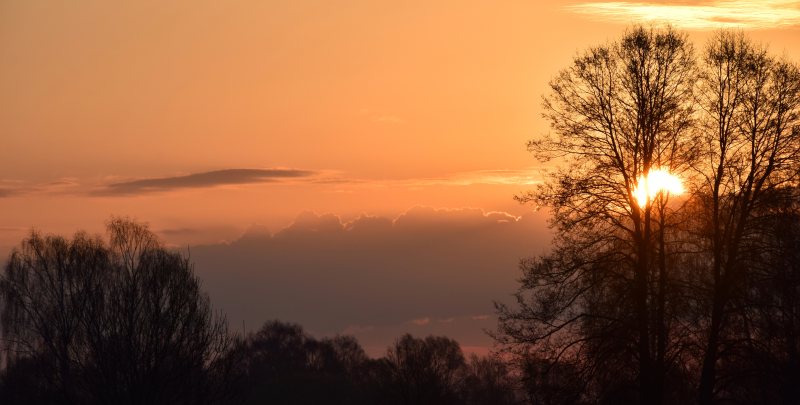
x,y
657,181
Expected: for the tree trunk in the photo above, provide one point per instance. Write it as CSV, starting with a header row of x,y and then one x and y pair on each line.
x,y
648,393
708,374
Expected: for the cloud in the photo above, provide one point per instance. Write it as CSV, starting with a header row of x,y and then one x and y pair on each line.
x,y
334,179
750,14
182,236
329,274
201,180
17,188
423,217
494,177
485,177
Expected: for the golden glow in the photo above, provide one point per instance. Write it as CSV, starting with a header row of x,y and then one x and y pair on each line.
x,y
135,90
710,15
657,181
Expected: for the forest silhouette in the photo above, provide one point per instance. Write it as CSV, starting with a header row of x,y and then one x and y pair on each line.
x,y
667,299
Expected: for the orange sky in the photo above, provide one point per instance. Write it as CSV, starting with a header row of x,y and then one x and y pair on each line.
x,y
389,104
206,117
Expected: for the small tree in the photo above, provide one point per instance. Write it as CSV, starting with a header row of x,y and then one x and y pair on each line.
x,y
426,371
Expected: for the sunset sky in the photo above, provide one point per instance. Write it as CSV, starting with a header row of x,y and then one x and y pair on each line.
x,y
349,165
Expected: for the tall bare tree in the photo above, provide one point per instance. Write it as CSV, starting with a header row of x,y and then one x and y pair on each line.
x,y
618,112
751,111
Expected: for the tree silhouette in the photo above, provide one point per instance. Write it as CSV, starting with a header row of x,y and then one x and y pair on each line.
x,y
123,322
752,106
488,381
284,365
619,112
675,286
426,371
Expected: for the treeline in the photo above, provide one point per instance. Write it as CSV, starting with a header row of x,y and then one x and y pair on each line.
x,y
655,298
283,365
124,321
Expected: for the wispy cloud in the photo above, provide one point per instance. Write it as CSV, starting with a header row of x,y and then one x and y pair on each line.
x,y
750,14
508,177
336,179
485,177
17,188
421,321
200,180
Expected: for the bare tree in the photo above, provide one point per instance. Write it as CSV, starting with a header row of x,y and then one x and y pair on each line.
x,y
426,371
618,112
119,323
49,282
488,381
669,286
751,106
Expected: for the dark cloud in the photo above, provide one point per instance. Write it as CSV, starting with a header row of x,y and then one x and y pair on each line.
x,y
16,190
378,275
192,236
201,180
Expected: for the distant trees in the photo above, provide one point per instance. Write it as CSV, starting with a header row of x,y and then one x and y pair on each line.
x,y
489,380
124,322
426,371
676,287
284,365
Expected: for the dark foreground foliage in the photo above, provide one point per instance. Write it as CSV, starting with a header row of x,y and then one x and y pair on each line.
x,y
124,321
284,365
117,322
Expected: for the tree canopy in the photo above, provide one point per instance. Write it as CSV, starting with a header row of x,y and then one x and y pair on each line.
x,y
667,282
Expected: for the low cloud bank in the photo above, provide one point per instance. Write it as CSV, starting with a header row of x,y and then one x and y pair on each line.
x,y
375,275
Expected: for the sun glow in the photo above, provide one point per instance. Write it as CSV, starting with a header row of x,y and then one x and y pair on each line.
x,y
657,181
750,14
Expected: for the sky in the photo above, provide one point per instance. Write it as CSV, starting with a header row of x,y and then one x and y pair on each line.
x,y
348,165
